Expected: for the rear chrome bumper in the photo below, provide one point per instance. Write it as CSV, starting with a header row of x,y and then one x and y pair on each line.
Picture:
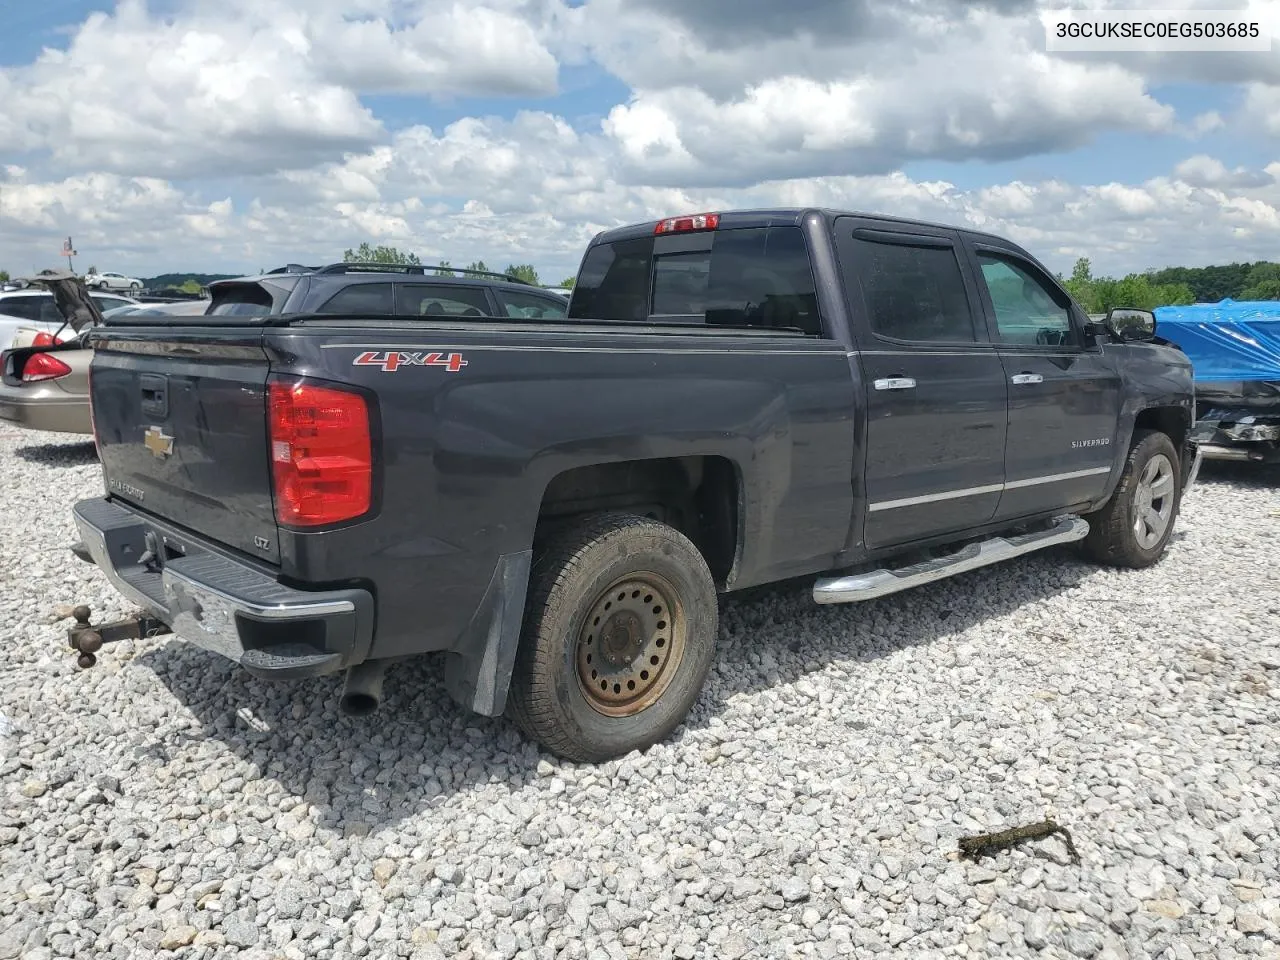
x,y
223,604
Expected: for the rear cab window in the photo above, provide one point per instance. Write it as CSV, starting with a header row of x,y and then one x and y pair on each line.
x,y
251,298
752,277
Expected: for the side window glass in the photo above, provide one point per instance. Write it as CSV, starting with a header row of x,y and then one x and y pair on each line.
x,y
441,300
526,306
1027,312
49,312
24,308
359,299
914,293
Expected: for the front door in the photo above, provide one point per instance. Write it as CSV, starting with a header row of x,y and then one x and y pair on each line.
x,y
1064,393
936,388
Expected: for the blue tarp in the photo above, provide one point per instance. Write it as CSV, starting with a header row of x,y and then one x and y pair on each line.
x,y
1226,340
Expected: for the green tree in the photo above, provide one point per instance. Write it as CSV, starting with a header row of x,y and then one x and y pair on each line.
x,y
478,265
1081,286
523,271
366,253
568,282
1263,283
1266,290
443,270
191,286
4,276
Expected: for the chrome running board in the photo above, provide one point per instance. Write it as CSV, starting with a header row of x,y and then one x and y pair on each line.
x,y
880,583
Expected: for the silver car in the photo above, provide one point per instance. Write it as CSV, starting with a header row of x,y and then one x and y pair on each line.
x,y
47,388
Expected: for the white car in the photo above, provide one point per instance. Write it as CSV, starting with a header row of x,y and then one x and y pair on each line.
x,y
36,310
112,281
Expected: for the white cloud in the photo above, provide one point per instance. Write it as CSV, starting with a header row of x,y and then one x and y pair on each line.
x,y
1206,171
1262,107
245,88
973,86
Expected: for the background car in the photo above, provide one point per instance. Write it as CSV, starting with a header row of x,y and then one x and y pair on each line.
x,y
48,388
34,308
112,281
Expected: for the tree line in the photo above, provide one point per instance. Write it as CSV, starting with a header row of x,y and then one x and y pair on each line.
x,y
1173,286
368,253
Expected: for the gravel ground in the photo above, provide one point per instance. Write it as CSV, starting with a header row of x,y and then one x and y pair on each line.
x,y
164,801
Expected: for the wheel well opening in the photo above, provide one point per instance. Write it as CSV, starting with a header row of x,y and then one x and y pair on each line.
x,y
1171,421
699,496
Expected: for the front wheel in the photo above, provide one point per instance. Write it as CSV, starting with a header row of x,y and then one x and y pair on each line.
x,y
618,638
1134,527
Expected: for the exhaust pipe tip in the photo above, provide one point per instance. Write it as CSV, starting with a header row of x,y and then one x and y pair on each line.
x,y
362,691
359,704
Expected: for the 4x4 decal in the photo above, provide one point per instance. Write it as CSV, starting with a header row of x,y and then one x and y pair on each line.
x,y
392,360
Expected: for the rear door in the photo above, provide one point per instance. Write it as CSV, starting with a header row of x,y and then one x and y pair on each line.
x,y
1064,394
936,391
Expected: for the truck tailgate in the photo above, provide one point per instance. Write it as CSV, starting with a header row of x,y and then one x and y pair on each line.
x,y
180,418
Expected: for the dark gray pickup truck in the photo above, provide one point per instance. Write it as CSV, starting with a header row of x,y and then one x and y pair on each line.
x,y
733,399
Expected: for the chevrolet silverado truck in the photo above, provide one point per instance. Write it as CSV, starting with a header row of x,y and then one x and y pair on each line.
x,y
555,503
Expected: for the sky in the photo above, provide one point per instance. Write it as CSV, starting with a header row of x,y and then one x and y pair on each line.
x,y
238,135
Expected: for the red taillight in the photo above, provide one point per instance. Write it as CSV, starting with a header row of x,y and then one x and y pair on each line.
x,y
43,366
43,339
699,221
321,454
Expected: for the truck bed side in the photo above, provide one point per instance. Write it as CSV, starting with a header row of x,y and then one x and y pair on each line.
x,y
469,454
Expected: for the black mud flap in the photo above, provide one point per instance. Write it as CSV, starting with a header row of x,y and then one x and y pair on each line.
x,y
478,669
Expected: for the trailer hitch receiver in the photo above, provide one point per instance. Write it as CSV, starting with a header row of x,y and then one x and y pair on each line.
x,y
87,638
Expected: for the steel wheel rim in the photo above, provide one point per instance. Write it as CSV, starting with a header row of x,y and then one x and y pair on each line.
x,y
630,645
1153,501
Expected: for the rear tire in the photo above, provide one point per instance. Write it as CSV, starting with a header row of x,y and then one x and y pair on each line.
x,y
619,634
1133,528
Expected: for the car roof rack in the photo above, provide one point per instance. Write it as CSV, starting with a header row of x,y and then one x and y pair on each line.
x,y
417,269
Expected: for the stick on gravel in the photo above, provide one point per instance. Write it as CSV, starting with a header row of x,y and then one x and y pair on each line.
x,y
985,843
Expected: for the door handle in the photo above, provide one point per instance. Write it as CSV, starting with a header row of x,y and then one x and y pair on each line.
x,y
895,383
1026,378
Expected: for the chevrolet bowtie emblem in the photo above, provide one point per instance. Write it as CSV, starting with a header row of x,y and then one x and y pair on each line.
x,y
158,442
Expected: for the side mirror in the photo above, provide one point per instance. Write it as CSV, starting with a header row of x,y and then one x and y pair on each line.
x,y
1128,323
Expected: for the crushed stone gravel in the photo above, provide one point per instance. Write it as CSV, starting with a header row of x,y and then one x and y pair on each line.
x,y
164,803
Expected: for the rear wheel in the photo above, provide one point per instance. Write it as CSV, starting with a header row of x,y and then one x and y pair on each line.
x,y
1134,527
618,638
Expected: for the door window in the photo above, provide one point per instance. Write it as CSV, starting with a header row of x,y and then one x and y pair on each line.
x,y
359,299
440,300
1027,311
24,308
914,293
110,303
530,307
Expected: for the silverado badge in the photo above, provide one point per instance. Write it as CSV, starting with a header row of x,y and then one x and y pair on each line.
x,y
158,442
